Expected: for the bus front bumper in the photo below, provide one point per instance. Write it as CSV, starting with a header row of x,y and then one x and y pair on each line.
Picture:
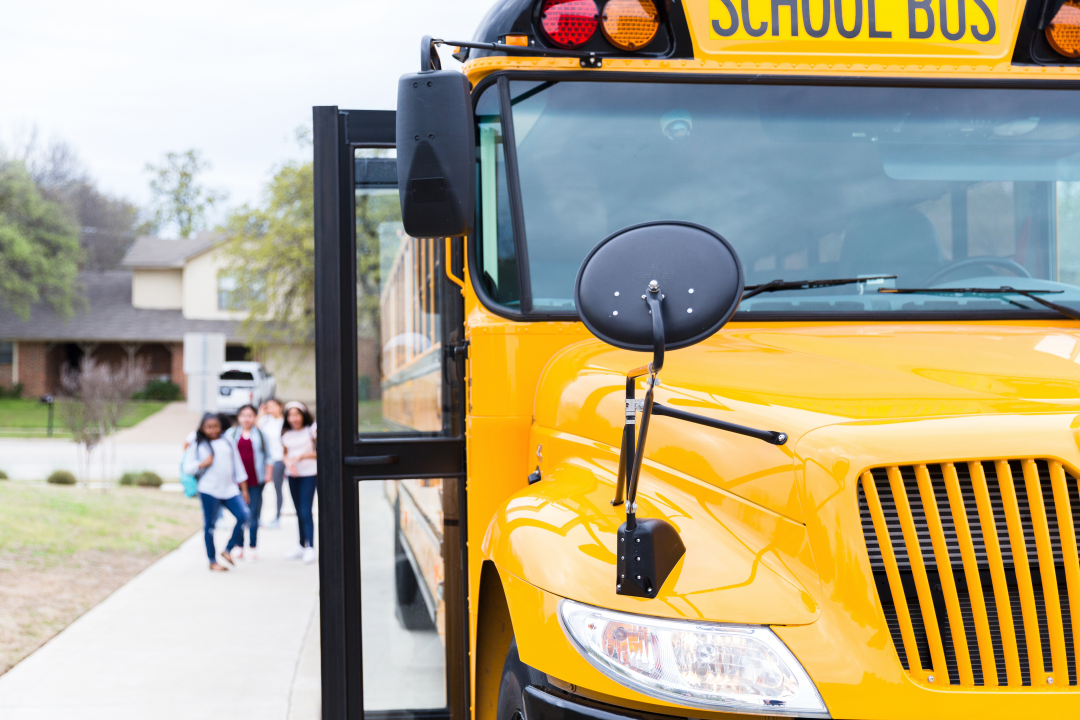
x,y
540,704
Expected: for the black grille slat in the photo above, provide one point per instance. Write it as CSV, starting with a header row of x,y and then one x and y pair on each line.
x,y
960,577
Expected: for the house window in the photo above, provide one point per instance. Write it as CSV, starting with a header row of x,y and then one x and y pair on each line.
x,y
7,352
227,296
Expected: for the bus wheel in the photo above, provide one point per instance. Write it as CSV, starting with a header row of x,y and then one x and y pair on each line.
x,y
411,610
515,678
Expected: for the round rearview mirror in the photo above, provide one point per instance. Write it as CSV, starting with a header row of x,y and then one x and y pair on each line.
x,y
698,277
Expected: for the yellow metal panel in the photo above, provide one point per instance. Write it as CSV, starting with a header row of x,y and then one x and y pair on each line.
x,y
918,569
1067,531
971,575
1002,602
896,584
945,574
1051,601
743,563
883,30
1023,572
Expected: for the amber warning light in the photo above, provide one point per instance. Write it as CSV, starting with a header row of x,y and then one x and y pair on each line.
x,y
1063,32
630,24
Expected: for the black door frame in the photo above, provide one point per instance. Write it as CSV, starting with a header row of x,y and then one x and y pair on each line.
x,y
345,458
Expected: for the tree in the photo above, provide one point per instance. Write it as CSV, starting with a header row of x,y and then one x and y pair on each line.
x,y
180,199
96,396
107,225
39,244
271,258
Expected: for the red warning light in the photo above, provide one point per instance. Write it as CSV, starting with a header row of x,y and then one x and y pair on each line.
x,y
569,23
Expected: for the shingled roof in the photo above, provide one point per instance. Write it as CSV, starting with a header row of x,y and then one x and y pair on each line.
x,y
109,316
151,252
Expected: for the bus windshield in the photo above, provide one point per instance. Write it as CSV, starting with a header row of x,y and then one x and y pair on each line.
x,y
939,186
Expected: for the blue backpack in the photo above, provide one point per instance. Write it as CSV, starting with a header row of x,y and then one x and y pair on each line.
x,y
190,483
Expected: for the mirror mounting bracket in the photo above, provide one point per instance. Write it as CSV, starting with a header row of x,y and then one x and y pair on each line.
x,y
703,280
649,549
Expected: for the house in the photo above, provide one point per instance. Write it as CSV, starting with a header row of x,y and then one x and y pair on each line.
x,y
140,313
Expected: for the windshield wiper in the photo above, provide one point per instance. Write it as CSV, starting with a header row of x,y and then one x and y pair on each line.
x,y
1003,290
751,290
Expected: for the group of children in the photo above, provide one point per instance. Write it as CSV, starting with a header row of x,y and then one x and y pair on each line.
x,y
232,463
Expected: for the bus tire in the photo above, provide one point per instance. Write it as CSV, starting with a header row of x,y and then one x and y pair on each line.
x,y
411,611
515,678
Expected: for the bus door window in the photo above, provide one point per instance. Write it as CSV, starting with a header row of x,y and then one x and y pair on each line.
x,y
399,390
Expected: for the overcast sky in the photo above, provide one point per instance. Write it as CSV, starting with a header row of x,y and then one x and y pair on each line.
x,y
126,81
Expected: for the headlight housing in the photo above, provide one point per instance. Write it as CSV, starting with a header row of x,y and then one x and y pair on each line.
x,y
735,668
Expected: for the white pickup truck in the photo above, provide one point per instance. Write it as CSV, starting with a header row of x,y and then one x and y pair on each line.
x,y
244,383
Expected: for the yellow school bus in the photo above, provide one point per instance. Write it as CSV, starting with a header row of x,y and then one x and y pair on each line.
x,y
869,469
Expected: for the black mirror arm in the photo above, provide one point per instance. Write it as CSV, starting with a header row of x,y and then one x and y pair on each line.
x,y
530,51
770,436
630,455
634,469
627,448
653,298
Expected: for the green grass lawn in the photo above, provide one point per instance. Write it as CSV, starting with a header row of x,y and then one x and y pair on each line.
x,y
65,549
30,418
46,521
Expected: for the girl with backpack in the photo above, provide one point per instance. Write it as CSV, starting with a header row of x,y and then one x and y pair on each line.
x,y
215,462
252,446
298,438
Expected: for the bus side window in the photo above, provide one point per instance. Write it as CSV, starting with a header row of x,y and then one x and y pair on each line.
x,y
496,254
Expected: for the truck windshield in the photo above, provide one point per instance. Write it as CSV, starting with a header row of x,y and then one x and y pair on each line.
x,y
961,187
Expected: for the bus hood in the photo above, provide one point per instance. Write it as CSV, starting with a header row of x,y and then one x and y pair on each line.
x,y
796,378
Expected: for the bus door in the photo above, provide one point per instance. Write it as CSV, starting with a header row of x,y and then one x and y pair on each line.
x,y
390,363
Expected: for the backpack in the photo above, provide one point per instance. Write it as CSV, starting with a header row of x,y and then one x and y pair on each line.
x,y
190,483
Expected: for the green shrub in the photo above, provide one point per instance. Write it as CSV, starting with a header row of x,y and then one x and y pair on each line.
x,y
14,392
157,389
61,477
141,479
149,479
3,475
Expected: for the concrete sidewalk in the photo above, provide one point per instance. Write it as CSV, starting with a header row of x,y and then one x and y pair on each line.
x,y
171,424
181,642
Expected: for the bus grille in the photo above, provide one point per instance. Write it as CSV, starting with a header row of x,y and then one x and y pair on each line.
x,y
976,569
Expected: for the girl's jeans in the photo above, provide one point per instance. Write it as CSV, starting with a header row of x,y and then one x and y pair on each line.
x,y
211,506
279,480
302,490
255,492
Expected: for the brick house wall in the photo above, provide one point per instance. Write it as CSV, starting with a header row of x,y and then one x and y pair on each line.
x,y
177,367
7,375
367,367
34,368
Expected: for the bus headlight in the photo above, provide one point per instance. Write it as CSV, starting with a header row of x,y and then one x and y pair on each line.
x,y
740,668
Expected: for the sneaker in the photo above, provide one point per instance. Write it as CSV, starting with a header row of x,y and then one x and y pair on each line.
x,y
252,555
295,554
309,555
237,552
273,524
